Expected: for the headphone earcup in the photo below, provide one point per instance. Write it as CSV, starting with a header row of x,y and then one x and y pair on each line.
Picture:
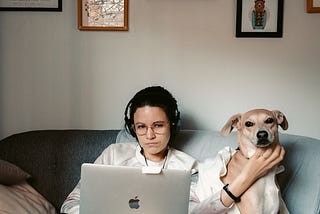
x,y
177,118
128,121
129,126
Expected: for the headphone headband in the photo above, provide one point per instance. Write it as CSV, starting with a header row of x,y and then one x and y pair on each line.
x,y
153,96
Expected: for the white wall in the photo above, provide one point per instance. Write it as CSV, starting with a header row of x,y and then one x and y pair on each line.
x,y
53,76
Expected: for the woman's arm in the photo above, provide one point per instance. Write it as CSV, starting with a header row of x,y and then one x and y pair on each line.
x,y
243,174
71,205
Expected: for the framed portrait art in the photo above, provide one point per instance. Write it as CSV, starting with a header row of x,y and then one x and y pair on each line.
x,y
313,6
31,5
103,15
259,18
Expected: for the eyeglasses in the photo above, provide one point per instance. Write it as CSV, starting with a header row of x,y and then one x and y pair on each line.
x,y
157,128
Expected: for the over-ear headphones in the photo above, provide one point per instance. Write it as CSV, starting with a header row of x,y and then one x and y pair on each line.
x,y
153,96
128,121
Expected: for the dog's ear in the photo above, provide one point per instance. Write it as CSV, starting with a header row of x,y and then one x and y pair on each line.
x,y
281,119
233,122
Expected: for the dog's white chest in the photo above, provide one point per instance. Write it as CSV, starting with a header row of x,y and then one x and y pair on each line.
x,y
263,197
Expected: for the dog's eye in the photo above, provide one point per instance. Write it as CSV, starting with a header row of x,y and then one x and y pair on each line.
x,y
269,120
248,124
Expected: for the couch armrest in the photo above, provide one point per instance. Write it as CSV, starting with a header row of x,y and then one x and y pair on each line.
x,y
53,157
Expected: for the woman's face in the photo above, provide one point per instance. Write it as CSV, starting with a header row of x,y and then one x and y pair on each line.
x,y
152,127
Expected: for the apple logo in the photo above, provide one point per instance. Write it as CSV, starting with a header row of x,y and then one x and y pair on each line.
x,y
134,203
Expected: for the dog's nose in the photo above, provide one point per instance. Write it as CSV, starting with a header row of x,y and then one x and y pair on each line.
x,y
262,135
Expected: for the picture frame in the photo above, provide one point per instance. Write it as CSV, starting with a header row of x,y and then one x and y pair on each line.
x,y
259,18
103,15
31,5
313,6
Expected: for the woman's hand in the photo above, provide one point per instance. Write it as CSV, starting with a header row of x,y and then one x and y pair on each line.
x,y
263,160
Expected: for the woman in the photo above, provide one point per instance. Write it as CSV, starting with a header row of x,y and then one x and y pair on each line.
x,y
151,116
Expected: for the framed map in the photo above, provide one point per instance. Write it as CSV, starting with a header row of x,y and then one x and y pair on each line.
x,y
31,5
313,6
103,15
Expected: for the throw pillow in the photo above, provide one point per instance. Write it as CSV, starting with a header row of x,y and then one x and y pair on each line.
x,y
11,174
22,198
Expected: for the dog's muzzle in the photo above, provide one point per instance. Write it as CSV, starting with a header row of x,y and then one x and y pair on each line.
x,y
263,139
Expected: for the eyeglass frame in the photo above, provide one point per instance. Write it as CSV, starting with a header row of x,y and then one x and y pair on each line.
x,y
152,127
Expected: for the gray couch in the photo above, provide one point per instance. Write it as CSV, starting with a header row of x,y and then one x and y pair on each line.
x,y
53,158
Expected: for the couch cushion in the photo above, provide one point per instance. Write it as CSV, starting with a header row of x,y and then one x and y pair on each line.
x,y
300,181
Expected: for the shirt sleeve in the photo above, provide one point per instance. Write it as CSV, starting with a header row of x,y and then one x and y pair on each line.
x,y
72,203
205,194
211,205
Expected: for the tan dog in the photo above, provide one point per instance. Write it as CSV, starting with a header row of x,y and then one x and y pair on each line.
x,y
258,128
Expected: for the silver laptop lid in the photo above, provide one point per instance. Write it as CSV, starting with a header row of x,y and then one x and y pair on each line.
x,y
126,190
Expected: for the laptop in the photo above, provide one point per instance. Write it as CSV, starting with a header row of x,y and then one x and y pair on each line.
x,y
126,190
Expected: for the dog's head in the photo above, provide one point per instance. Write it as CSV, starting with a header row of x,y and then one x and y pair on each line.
x,y
256,128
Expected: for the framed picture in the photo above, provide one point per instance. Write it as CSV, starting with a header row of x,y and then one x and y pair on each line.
x,y
313,6
30,5
259,18
103,15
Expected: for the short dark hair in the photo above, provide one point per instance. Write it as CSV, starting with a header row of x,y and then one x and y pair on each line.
x,y
155,96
